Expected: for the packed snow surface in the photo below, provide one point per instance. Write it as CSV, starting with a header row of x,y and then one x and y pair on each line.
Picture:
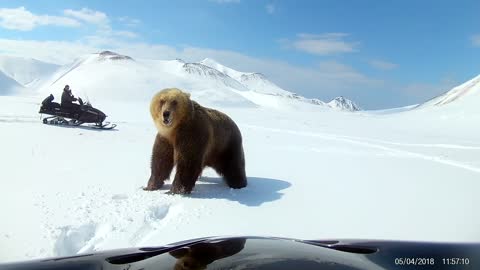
x,y
313,172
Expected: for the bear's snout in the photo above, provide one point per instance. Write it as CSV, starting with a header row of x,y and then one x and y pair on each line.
x,y
166,114
167,117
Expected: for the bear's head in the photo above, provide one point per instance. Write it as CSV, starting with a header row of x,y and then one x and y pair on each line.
x,y
169,107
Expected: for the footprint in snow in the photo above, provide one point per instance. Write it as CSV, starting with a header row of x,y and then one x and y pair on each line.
x,y
156,218
80,239
72,239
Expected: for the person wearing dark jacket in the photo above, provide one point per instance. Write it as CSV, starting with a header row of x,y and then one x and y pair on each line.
x,y
67,96
68,99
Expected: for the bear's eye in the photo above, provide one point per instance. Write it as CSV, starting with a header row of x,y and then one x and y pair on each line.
x,y
174,103
162,102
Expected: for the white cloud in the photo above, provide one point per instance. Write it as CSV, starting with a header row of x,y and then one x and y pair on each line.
x,y
323,44
420,91
109,38
126,34
131,22
225,1
104,34
336,70
22,19
59,52
88,16
475,40
270,8
107,30
345,77
328,66
382,65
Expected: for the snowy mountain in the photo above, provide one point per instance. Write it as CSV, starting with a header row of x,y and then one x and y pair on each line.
x,y
259,83
466,95
120,77
253,81
205,72
344,104
109,55
111,76
26,71
9,86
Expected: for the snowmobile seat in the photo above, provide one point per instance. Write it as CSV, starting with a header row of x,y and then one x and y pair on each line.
x,y
48,102
54,105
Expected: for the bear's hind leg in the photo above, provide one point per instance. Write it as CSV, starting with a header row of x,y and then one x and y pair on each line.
x,y
162,163
231,166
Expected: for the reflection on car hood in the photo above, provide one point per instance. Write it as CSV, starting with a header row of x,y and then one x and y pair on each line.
x,y
273,253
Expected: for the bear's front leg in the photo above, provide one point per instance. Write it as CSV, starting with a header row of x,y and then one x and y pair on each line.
x,y
162,163
188,171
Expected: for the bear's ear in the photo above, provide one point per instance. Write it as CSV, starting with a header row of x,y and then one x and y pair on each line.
x,y
188,95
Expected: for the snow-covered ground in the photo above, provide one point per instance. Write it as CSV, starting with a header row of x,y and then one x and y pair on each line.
x,y
313,172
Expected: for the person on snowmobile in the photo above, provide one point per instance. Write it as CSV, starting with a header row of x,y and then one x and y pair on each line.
x,y
67,96
68,99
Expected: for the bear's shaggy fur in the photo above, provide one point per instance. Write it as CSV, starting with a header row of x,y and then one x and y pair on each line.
x,y
191,137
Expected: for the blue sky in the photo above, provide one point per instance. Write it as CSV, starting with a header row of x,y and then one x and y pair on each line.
x,y
378,53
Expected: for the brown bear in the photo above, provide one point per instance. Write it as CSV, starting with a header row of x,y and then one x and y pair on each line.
x,y
192,137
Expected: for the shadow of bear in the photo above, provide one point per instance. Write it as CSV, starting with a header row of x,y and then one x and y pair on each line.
x,y
258,191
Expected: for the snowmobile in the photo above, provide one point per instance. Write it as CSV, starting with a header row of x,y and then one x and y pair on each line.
x,y
75,115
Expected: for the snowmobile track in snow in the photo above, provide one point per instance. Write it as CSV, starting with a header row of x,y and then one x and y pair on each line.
x,y
377,144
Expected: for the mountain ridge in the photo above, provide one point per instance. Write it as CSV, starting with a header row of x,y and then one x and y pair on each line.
x,y
113,75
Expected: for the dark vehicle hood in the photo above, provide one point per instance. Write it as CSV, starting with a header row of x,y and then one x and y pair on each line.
x,y
273,253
